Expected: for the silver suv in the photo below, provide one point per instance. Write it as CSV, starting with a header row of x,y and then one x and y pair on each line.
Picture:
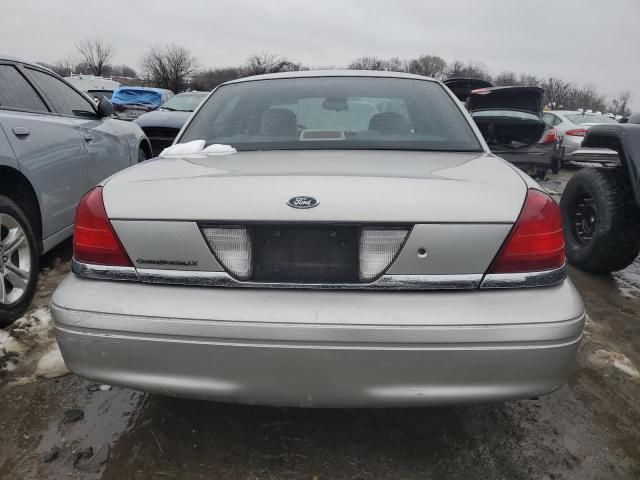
x,y
55,144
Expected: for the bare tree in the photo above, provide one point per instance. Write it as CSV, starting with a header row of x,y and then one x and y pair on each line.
x,y
429,66
586,98
505,79
469,70
266,62
368,63
396,64
124,71
620,104
528,80
211,78
170,66
557,93
95,54
64,67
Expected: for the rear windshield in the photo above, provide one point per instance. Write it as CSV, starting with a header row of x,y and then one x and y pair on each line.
x,y
101,94
184,102
333,113
580,118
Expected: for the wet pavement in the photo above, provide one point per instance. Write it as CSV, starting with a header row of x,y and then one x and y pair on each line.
x,y
67,427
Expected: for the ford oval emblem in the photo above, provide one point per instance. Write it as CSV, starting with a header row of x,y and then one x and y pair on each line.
x,y
302,201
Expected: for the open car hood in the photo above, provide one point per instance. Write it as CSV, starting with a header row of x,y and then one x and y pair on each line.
x,y
462,87
525,99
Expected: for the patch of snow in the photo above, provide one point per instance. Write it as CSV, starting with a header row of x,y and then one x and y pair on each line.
x,y
9,345
29,349
219,149
606,359
196,148
183,149
51,364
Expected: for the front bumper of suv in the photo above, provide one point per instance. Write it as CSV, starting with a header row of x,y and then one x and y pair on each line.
x,y
320,348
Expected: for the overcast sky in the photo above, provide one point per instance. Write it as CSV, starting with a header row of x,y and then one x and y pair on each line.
x,y
588,41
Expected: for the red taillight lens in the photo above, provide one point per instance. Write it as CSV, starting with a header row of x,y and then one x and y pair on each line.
x,y
576,132
550,137
536,241
94,240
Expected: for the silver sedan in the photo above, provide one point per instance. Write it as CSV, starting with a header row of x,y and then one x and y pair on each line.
x,y
572,126
322,239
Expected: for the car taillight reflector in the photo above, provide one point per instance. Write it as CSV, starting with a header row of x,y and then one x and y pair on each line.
x,y
576,132
94,240
550,137
232,247
378,248
536,241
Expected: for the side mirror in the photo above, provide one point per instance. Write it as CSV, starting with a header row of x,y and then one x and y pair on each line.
x,y
105,107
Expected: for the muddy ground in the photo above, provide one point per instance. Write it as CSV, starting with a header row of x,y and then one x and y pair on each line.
x,y
67,427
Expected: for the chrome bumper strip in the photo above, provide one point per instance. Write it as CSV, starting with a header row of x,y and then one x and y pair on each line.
x,y
519,280
103,272
386,282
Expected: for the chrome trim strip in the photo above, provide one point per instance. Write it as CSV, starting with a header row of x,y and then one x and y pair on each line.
x,y
546,278
103,272
386,282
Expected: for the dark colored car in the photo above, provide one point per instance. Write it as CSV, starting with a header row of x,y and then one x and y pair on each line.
x,y
510,119
601,204
131,102
162,125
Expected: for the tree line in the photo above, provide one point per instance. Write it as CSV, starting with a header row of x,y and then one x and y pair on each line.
x,y
174,67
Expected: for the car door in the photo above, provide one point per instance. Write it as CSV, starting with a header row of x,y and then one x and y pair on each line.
x,y
105,143
47,146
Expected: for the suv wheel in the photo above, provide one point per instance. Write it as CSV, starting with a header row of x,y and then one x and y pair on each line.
x,y
601,221
18,262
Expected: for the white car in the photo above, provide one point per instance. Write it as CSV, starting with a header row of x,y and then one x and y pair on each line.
x,y
571,127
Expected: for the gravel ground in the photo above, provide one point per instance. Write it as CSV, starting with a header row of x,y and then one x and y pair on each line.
x,y
56,425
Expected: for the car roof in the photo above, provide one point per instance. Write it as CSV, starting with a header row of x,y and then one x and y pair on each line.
x,y
11,58
331,73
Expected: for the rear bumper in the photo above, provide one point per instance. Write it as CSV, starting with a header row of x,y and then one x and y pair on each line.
x,y
324,349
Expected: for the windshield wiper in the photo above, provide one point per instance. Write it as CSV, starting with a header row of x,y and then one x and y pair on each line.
x,y
169,108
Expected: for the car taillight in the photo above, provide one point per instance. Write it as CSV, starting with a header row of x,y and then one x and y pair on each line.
x,y
536,241
576,132
94,240
550,137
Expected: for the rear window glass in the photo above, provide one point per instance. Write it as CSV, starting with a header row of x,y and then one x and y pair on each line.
x,y
580,118
184,102
333,113
15,91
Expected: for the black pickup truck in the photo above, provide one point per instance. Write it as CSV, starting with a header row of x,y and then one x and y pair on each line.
x,y
601,203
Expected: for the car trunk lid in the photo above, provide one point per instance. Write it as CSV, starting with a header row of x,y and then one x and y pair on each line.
x,y
509,118
462,87
362,186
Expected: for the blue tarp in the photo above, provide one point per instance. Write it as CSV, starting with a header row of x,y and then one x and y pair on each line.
x,y
152,97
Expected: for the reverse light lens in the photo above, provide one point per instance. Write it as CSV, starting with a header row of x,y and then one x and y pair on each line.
x,y
232,247
94,240
378,248
536,242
